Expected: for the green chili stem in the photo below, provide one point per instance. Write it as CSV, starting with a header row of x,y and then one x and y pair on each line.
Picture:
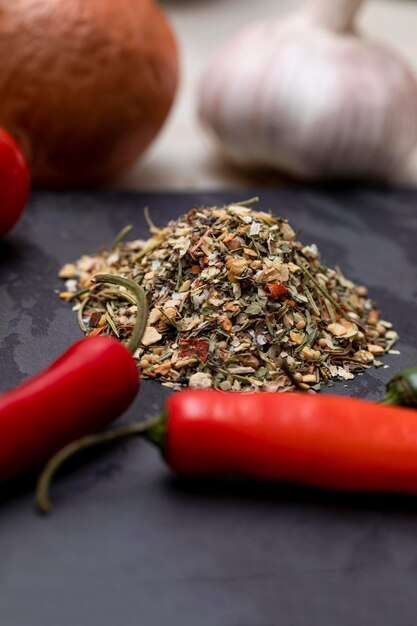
x,y
142,315
391,397
402,388
43,486
117,240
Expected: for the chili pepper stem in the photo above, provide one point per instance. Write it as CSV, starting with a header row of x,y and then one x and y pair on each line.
x,y
391,397
154,425
142,314
402,388
399,393
157,432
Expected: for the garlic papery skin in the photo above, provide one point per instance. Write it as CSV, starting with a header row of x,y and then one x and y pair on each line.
x,y
310,97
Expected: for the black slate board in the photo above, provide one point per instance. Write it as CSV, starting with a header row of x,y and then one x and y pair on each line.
x,y
130,544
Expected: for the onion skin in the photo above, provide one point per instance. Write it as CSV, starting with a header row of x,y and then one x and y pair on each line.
x,y
84,86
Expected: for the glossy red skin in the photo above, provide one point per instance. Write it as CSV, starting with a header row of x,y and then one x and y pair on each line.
x,y
14,182
324,441
88,387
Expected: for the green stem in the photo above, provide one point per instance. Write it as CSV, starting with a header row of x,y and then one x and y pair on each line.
x,y
253,200
80,315
154,425
390,397
142,314
402,388
152,228
324,292
120,236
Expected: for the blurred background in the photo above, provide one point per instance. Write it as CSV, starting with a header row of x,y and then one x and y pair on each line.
x,y
183,156
160,95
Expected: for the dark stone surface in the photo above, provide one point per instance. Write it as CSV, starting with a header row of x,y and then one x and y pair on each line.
x,y
130,544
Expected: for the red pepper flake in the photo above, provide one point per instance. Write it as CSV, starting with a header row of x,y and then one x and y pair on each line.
x,y
373,316
190,215
95,318
196,269
276,290
194,347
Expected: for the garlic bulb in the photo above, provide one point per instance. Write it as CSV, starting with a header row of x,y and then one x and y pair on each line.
x,y
306,94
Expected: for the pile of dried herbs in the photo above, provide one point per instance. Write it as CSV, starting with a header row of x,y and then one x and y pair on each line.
x,y
236,302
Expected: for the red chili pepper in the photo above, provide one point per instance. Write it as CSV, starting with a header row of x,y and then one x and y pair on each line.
x,y
324,441
276,290
89,386
14,182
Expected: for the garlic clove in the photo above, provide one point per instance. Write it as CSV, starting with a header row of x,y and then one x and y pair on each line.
x,y
295,95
